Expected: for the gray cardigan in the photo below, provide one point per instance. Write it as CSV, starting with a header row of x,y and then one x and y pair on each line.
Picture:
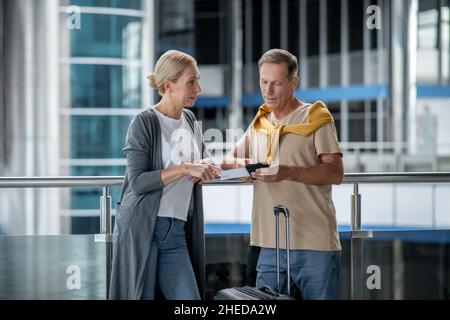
x,y
137,209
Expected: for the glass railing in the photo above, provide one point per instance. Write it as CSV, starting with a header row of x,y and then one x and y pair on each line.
x,y
57,266
52,267
376,264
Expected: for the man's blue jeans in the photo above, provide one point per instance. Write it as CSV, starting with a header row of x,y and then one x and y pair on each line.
x,y
314,273
169,263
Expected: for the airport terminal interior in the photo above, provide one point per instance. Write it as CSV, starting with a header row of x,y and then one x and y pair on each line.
x,y
73,76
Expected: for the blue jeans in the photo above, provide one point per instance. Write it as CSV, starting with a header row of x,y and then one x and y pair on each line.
x,y
314,273
169,263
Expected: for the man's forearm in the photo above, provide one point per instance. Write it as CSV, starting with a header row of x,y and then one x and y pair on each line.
x,y
322,174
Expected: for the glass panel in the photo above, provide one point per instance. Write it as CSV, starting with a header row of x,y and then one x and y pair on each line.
x,y
98,136
126,4
373,68
334,70
402,265
89,198
313,72
356,122
227,260
105,86
356,63
104,35
52,267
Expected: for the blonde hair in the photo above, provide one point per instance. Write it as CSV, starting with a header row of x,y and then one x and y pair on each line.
x,y
281,56
169,66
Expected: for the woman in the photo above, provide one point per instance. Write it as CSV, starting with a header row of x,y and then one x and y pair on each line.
x,y
163,148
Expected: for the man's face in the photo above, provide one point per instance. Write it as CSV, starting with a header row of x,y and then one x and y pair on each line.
x,y
276,88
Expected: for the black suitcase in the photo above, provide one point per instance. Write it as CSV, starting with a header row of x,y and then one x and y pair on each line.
x,y
265,293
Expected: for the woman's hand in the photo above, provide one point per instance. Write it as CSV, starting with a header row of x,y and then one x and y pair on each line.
x,y
233,163
202,171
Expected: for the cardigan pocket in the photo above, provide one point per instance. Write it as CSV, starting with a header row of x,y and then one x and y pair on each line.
x,y
123,218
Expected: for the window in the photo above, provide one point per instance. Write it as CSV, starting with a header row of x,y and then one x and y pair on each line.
x,y
274,18
257,29
355,24
312,23
213,39
176,25
293,27
334,26
98,136
428,67
427,24
124,4
104,35
104,86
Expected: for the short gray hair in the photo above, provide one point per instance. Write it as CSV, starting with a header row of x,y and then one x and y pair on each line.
x,y
281,56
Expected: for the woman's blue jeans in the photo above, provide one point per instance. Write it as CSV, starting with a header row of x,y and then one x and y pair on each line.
x,y
169,263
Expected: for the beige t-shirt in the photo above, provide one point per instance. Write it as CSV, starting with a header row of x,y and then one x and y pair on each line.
x,y
312,214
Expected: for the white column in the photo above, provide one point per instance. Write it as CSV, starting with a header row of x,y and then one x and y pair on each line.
x,y
397,73
345,76
411,74
235,117
148,50
32,107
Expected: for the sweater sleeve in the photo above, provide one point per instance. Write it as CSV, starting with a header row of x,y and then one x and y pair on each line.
x,y
138,149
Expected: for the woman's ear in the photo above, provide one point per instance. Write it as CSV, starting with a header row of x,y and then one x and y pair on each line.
x,y
167,86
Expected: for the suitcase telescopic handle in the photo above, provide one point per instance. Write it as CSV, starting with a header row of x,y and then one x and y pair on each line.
x,y
276,210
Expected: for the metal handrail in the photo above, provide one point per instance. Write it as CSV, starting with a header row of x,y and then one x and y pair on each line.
x,y
60,182
113,181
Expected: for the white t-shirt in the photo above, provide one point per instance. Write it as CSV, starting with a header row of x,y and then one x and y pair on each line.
x,y
178,146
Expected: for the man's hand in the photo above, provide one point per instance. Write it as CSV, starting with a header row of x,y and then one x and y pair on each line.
x,y
274,173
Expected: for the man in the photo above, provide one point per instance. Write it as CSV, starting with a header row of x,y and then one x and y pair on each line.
x,y
299,141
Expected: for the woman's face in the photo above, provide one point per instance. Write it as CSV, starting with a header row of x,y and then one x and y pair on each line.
x,y
185,89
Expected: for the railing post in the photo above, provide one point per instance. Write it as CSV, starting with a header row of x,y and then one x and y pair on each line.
x,y
105,212
356,209
105,231
355,244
